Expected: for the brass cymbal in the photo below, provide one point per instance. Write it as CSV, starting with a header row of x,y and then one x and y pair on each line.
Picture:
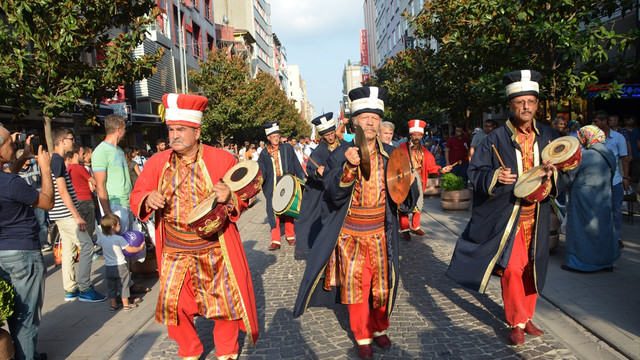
x,y
361,143
399,176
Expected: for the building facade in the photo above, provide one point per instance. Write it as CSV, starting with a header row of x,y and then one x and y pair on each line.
x,y
254,17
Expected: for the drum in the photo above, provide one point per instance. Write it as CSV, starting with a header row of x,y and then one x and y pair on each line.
x,y
288,196
563,152
244,179
531,187
208,218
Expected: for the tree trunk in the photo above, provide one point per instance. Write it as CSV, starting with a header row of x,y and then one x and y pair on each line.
x,y
47,135
222,138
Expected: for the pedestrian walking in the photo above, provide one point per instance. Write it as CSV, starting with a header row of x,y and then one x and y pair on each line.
x,y
590,242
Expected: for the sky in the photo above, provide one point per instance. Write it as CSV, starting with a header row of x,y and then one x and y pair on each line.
x,y
320,37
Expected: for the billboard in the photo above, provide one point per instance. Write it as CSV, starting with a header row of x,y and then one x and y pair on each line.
x,y
364,56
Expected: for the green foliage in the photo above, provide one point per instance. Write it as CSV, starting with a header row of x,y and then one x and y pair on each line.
x,y
7,301
238,104
480,40
452,182
45,45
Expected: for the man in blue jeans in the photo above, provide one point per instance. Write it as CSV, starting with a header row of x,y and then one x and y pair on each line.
x,y
618,145
21,262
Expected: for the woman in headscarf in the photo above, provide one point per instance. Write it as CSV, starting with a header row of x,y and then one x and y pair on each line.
x,y
589,240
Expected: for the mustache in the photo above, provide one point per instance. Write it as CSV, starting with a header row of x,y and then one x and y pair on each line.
x,y
177,141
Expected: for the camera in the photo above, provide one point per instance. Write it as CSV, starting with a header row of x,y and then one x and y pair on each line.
x,y
22,137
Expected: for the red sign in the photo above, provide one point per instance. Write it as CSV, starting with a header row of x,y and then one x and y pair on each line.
x,y
364,56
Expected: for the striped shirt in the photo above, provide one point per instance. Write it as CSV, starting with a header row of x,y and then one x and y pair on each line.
x,y
58,170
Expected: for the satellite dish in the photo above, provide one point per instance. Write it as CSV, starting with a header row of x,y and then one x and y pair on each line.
x,y
224,19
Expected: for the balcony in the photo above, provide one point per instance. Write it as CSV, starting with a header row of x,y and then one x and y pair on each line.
x,y
156,33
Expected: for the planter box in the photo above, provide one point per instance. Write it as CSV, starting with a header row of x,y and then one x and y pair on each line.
x,y
433,187
6,345
456,200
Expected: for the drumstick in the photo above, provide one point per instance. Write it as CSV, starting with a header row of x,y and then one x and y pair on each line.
x,y
498,155
313,162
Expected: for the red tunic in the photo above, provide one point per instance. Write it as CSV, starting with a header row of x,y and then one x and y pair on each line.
x,y
217,162
428,164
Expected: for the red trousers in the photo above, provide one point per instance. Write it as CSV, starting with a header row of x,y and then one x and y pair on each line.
x,y
367,322
225,332
288,229
518,289
404,221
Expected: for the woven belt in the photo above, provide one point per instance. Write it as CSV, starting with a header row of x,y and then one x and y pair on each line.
x,y
528,212
364,221
176,240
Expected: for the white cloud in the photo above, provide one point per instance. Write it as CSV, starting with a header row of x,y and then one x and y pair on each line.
x,y
304,18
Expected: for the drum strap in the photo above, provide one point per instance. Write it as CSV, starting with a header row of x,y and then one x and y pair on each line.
x,y
285,161
409,153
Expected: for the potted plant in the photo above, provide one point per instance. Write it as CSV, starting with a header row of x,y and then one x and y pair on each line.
x,y
7,302
455,195
433,185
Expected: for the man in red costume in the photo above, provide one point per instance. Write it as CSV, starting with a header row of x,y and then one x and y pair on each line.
x,y
198,276
422,164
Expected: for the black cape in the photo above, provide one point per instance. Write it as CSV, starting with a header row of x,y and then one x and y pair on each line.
x,y
487,240
338,201
290,165
312,209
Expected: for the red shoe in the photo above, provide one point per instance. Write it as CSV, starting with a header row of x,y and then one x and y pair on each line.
x,y
516,337
406,235
383,341
292,241
274,246
365,351
418,232
532,330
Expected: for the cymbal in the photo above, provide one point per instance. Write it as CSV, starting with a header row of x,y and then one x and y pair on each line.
x,y
365,162
399,176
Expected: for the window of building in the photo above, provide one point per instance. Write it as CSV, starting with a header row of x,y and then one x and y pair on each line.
x,y
211,44
208,10
197,41
176,25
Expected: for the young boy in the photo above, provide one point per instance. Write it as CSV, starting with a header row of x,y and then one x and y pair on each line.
x,y
117,272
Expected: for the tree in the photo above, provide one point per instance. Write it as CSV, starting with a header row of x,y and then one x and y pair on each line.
x,y
479,40
238,104
44,44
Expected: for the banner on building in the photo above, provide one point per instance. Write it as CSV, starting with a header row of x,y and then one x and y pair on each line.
x,y
364,56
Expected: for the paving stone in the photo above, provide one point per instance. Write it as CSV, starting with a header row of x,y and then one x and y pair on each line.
x,y
433,317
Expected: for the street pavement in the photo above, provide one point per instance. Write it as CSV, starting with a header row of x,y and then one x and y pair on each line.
x,y
585,316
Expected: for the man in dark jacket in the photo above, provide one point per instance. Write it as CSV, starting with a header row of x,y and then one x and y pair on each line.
x,y
277,160
507,235
355,258
310,221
